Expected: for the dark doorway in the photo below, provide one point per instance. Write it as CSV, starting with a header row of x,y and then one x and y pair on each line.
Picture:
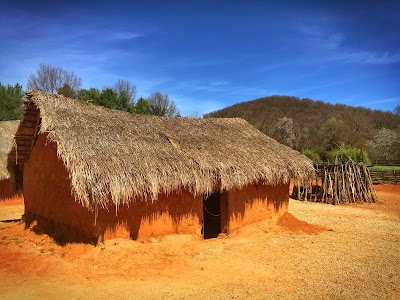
x,y
212,215
19,177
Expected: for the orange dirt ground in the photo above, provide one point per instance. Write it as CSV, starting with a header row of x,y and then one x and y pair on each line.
x,y
317,251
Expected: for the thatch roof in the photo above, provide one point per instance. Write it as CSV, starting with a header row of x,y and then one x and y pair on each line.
x,y
115,157
7,132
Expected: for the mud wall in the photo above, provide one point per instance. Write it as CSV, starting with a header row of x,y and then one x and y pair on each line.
x,y
6,189
255,203
12,186
48,198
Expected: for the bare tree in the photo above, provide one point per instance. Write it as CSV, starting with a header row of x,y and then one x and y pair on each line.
x,y
397,110
196,115
126,89
51,79
283,131
162,105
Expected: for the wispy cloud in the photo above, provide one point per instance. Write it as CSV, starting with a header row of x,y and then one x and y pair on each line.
x,y
281,65
311,88
333,41
389,100
193,62
125,35
321,37
219,82
310,29
369,57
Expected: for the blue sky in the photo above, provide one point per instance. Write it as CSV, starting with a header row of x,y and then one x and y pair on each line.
x,y
207,55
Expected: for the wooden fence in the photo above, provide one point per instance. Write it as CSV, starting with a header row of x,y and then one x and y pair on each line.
x,y
386,162
385,176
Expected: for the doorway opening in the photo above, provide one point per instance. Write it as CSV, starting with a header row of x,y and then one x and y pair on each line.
x,y
211,215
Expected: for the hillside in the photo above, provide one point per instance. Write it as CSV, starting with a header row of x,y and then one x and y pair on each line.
x,y
354,126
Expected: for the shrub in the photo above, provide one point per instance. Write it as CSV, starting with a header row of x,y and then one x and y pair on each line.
x,y
311,154
355,154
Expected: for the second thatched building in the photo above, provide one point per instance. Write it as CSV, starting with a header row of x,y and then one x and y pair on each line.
x,y
10,170
101,173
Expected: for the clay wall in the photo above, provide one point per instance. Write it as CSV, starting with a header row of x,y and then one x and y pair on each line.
x,y
6,190
48,198
255,203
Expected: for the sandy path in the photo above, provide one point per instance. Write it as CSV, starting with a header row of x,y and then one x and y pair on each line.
x,y
356,257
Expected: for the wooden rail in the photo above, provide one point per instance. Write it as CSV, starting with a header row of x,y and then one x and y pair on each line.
x,y
385,176
386,162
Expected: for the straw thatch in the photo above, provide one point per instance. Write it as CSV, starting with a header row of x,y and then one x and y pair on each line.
x,y
7,132
115,157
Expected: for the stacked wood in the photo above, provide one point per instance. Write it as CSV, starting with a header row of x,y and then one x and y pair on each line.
x,y
337,183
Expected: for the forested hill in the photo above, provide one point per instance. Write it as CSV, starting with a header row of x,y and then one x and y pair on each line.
x,y
315,123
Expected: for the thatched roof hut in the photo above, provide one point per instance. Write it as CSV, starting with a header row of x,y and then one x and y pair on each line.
x,y
8,185
115,158
7,132
128,156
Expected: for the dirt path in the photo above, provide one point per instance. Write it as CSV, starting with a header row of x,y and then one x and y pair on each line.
x,y
355,256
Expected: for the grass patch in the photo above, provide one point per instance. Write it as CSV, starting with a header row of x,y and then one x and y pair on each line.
x,y
384,168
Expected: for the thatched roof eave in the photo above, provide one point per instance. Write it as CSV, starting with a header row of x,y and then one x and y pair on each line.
x,y
114,157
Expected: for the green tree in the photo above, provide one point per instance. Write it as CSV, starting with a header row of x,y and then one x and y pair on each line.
x,y
345,154
67,91
334,132
10,102
124,102
311,154
92,95
142,106
108,98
